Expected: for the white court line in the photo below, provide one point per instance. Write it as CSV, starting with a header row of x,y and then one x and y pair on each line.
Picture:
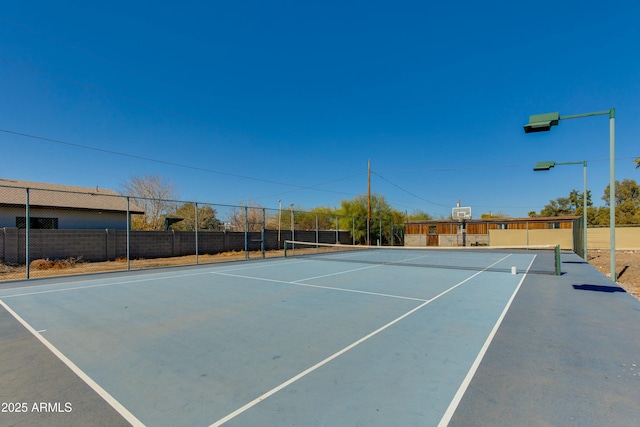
x,y
270,263
446,418
79,372
307,285
306,372
100,285
156,276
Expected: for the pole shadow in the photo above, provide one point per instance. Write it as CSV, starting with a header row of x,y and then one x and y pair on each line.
x,y
598,288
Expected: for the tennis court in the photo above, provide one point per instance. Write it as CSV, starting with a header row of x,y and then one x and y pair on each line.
x,y
326,340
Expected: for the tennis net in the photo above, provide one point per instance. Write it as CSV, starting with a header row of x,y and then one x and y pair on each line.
x,y
541,259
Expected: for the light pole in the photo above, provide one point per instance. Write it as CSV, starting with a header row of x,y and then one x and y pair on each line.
x,y
545,166
544,122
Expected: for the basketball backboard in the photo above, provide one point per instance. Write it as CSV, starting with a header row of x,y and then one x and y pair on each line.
x,y
461,213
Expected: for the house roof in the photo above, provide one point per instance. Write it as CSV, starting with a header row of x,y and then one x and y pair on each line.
x,y
13,192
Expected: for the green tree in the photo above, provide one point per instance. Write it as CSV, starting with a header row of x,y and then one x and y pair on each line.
x,y
600,216
206,218
418,215
560,206
496,215
627,199
571,205
323,217
354,214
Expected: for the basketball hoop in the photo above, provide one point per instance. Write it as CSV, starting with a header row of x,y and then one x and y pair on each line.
x,y
461,214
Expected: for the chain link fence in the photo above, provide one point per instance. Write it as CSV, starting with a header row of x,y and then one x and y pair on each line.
x,y
49,232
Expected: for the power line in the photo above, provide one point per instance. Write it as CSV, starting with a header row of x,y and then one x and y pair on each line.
x,y
180,165
407,191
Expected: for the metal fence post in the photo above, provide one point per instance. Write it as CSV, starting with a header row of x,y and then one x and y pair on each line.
x,y
353,230
27,234
293,233
246,232
392,235
128,234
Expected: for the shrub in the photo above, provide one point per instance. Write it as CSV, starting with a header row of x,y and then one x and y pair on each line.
x,y
60,264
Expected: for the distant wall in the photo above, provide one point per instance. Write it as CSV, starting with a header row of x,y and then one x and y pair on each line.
x,y
105,245
627,238
415,240
559,236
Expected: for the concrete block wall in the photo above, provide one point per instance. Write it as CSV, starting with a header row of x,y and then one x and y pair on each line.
x,y
109,245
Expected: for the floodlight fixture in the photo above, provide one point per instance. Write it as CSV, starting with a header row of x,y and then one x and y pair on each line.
x,y
544,166
541,122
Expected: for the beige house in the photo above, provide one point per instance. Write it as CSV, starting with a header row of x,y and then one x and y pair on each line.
x,y
55,206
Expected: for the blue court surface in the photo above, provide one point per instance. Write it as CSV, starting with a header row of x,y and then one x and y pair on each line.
x,y
311,342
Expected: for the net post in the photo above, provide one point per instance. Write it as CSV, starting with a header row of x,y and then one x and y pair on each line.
x,y
285,248
558,261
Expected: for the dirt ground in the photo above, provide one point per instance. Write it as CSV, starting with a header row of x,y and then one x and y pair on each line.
x,y
627,267
45,268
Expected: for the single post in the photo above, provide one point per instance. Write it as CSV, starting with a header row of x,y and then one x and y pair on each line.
x,y
246,232
27,235
584,216
353,230
392,235
293,232
369,203
279,221
612,193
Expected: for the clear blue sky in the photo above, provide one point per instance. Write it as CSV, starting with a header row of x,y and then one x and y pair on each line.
x,y
247,100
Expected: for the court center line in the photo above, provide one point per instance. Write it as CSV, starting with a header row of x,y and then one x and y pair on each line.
x,y
307,285
79,372
323,362
448,414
